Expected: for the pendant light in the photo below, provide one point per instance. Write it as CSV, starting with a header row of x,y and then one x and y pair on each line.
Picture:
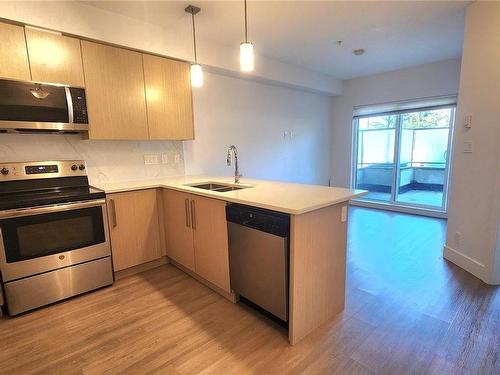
x,y
196,71
246,50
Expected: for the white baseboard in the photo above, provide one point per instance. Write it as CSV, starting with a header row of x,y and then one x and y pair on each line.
x,y
467,263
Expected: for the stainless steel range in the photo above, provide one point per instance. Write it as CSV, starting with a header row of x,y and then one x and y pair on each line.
x,y
54,239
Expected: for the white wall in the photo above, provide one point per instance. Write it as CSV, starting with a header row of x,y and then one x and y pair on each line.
x,y
434,79
106,160
474,201
254,117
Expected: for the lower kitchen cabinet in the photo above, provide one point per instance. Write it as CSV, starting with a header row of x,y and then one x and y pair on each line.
x,y
196,235
210,240
178,232
134,227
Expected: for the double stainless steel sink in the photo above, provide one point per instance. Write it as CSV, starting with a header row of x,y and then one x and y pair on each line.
x,y
218,186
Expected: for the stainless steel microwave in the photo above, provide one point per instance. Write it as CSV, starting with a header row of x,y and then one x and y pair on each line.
x,y
42,108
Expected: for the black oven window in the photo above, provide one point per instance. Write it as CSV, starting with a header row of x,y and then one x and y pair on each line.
x,y
35,236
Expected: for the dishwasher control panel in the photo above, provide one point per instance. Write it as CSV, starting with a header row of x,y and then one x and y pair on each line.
x,y
273,222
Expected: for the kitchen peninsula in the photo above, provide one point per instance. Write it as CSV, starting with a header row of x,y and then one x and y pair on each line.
x,y
318,227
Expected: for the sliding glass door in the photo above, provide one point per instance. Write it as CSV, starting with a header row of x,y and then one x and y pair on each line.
x,y
375,162
402,158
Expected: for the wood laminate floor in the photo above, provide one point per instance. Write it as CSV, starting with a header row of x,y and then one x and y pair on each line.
x,y
407,311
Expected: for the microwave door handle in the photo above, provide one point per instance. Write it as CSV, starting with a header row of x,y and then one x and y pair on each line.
x,y
7,214
69,102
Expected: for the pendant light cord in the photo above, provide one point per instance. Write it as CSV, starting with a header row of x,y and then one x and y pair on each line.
x,y
194,40
246,28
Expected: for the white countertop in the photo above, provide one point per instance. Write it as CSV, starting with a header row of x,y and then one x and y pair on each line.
x,y
273,195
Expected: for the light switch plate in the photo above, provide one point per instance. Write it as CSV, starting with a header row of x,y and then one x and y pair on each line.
x,y
164,158
343,216
468,121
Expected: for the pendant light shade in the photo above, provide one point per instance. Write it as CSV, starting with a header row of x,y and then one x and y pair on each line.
x,y
195,70
246,50
196,75
246,57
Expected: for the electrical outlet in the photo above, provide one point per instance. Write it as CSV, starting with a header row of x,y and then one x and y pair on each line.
x,y
164,158
177,158
468,147
343,216
150,159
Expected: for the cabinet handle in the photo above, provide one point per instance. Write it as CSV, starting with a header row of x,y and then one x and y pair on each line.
x,y
193,215
113,212
188,217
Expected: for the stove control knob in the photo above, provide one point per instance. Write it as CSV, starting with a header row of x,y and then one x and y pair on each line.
x,y
81,167
74,167
4,171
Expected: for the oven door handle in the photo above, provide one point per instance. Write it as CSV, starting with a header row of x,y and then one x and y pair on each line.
x,y
29,211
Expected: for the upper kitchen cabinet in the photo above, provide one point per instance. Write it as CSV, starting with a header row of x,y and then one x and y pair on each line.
x,y
54,58
13,57
168,98
116,101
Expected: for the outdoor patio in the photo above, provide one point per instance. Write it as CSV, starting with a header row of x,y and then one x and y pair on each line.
x,y
417,185
421,197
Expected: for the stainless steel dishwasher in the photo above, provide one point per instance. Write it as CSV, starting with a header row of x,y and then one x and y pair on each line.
x,y
258,256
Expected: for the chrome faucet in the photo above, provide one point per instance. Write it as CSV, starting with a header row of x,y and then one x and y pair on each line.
x,y
237,174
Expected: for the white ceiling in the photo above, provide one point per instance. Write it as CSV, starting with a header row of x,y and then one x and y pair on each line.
x,y
395,35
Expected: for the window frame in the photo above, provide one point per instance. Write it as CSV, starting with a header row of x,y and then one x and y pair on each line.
x,y
396,172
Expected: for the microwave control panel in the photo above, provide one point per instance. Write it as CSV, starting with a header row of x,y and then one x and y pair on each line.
x,y
79,102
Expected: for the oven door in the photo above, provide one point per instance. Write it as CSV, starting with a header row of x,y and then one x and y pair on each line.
x,y
41,239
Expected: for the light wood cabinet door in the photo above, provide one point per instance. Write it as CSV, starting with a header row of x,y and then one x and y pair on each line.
x,y
116,101
54,58
147,230
210,241
13,55
178,233
168,98
134,226
122,225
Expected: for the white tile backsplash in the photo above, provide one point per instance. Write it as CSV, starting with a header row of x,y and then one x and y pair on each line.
x,y
107,161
